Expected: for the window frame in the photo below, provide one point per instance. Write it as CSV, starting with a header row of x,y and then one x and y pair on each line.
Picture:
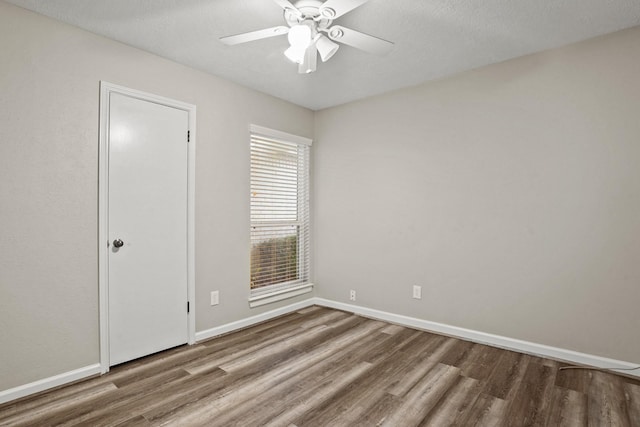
x,y
280,291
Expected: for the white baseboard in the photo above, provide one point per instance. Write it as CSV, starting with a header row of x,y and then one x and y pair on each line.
x,y
454,331
243,323
95,369
47,383
489,339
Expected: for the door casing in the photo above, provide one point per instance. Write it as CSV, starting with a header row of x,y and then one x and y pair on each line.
x,y
103,209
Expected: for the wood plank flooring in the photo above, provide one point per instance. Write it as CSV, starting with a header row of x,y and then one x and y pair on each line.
x,y
323,367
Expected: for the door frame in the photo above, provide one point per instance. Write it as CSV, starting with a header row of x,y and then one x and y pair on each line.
x,y
106,89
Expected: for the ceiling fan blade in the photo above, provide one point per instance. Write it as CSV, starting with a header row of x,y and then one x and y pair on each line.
x,y
333,9
359,40
288,6
254,35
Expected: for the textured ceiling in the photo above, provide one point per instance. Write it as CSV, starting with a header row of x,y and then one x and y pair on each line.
x,y
433,38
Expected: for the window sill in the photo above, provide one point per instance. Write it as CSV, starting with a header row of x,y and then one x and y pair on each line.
x,y
268,298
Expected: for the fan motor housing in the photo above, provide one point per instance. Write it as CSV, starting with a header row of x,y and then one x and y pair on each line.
x,y
310,10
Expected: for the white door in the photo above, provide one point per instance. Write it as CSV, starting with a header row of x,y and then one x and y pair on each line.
x,y
147,218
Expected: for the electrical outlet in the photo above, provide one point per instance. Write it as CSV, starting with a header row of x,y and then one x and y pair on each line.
x,y
215,298
417,292
352,295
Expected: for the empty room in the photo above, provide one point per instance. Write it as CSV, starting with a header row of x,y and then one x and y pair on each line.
x,y
349,213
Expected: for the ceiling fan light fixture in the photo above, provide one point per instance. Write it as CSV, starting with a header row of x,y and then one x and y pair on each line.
x,y
295,54
326,48
299,36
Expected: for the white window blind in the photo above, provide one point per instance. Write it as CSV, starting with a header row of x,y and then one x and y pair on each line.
x,y
279,211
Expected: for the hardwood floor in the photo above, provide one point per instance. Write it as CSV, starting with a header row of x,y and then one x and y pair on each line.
x,y
322,367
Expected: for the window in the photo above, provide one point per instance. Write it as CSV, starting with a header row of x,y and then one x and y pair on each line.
x,y
279,215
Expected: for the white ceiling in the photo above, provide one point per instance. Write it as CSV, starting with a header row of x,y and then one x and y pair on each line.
x,y
433,38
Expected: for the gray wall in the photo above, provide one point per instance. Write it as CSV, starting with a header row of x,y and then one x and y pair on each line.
x,y
510,193
49,88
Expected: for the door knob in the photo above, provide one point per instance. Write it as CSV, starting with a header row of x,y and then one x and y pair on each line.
x,y
118,243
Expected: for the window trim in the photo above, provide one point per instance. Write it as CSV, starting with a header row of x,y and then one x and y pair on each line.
x,y
279,135
279,295
281,291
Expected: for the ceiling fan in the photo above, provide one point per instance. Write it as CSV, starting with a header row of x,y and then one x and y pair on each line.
x,y
311,31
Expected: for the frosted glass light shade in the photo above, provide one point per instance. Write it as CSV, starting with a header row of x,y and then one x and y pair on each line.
x,y
295,54
299,36
326,48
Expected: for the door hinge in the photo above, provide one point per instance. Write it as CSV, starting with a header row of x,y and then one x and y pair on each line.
x,y
187,306
188,136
